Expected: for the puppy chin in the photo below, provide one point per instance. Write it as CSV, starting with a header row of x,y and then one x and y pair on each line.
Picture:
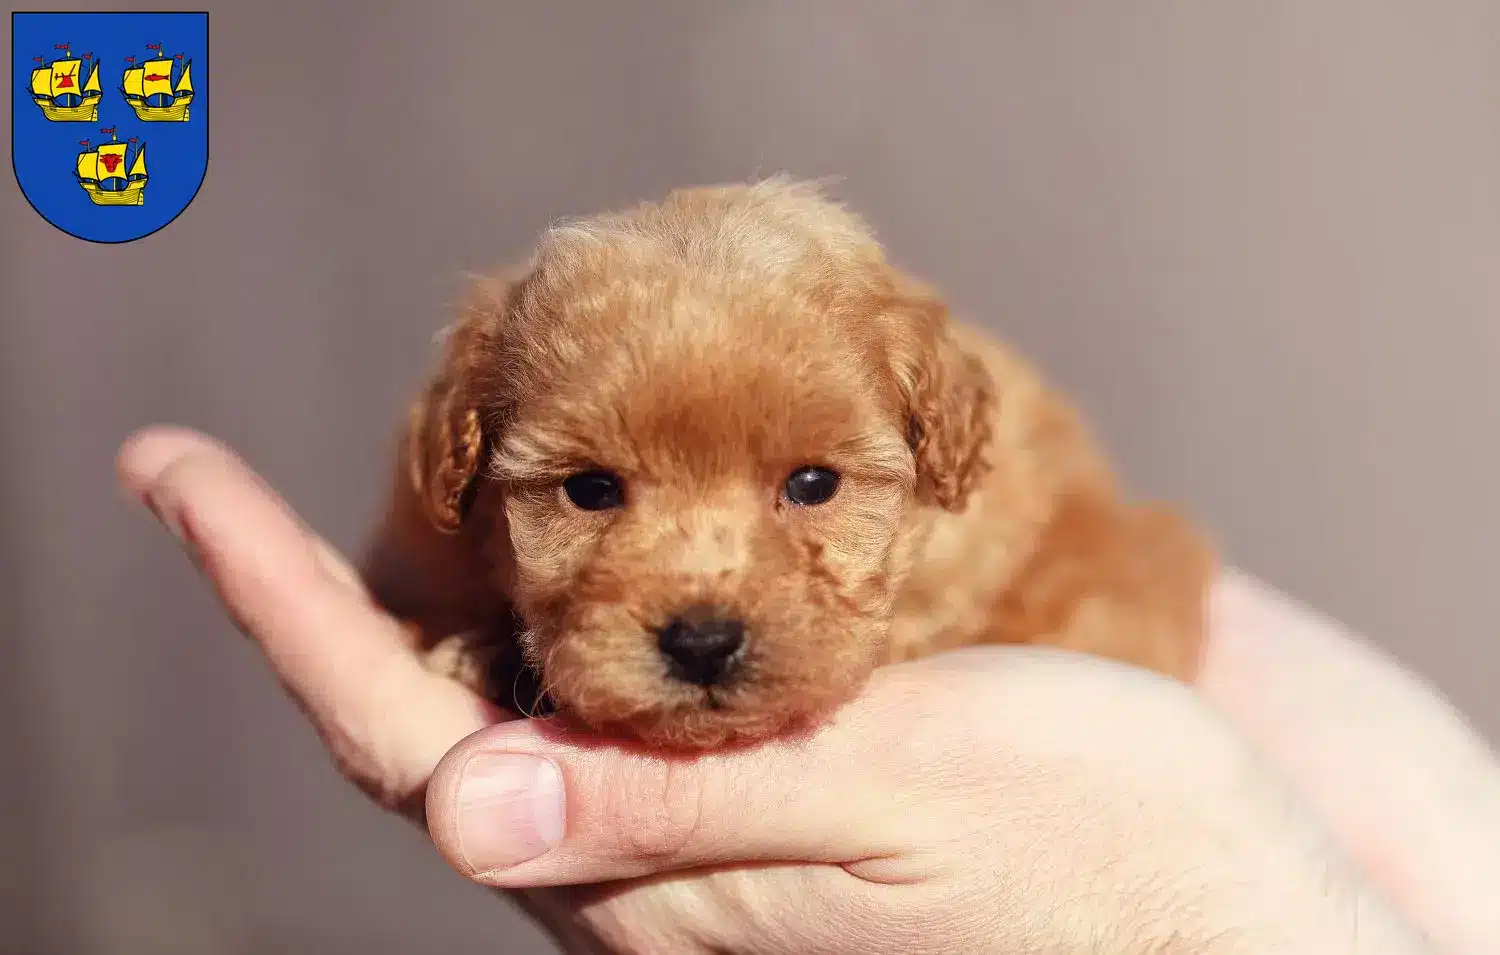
x,y
713,723
695,729
636,700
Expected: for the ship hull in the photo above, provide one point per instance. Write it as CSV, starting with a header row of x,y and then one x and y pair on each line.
x,y
132,195
176,113
85,112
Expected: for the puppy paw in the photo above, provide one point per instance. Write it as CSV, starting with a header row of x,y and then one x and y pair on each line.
x,y
462,658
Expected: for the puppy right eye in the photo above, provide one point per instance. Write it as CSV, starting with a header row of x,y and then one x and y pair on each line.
x,y
595,490
809,486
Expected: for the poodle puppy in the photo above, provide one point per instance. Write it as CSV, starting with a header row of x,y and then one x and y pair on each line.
x,y
700,466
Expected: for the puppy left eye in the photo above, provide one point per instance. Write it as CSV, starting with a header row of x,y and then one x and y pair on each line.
x,y
595,490
810,485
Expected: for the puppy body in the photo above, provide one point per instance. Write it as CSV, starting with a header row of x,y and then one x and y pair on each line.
x,y
700,350
1048,551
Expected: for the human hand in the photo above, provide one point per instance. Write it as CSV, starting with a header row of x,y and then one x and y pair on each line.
x,y
991,800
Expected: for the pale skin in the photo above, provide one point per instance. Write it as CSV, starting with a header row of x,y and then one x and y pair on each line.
x,y
1309,796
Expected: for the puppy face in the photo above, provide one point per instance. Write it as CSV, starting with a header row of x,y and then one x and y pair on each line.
x,y
707,423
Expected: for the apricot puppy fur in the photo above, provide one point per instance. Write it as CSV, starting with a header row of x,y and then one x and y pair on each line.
x,y
702,465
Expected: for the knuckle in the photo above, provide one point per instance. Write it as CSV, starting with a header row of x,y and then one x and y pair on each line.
x,y
660,818
952,745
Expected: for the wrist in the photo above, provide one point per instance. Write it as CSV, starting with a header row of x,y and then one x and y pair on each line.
x,y
1225,861
1285,893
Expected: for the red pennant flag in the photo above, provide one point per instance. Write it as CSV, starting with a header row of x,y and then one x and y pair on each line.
x,y
106,129
59,46
84,143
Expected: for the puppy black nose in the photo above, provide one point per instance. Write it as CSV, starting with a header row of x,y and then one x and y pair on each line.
x,y
701,647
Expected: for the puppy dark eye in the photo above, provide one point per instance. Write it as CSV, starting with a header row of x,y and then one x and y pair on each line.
x,y
811,485
595,490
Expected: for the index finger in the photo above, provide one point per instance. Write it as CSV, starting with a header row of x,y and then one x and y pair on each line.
x,y
385,717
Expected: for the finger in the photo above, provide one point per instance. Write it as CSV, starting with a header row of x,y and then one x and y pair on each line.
x,y
387,719
519,806
1394,771
522,805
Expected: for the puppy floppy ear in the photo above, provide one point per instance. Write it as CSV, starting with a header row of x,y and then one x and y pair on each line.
x,y
948,395
424,564
444,444
446,441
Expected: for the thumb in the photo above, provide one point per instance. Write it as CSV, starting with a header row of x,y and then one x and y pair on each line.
x,y
522,805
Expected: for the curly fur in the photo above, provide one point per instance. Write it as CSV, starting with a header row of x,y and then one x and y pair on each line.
x,y
703,347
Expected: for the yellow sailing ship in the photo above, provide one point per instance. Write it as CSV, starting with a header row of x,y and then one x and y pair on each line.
x,y
54,87
149,90
102,174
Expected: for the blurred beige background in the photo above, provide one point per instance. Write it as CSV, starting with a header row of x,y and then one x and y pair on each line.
x,y
1260,241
